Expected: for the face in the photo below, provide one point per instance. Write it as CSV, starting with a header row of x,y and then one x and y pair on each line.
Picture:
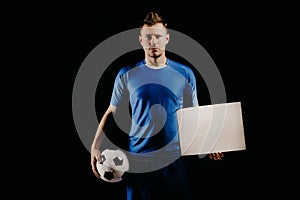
x,y
154,39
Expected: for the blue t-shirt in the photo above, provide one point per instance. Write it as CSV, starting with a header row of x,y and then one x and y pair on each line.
x,y
155,94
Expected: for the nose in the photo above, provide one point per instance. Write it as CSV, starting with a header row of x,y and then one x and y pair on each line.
x,y
153,40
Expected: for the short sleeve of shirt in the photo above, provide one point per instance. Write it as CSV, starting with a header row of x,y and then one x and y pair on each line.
x,y
119,89
190,93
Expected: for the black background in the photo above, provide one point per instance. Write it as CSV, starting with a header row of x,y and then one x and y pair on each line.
x,y
225,37
235,39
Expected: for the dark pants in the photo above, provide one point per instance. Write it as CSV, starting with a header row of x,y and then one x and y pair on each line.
x,y
170,182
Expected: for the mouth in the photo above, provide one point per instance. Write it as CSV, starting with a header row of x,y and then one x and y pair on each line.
x,y
153,49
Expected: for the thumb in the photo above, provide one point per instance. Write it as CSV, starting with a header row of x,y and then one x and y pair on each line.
x,y
98,156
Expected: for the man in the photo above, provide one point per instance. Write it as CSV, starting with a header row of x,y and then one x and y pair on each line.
x,y
156,87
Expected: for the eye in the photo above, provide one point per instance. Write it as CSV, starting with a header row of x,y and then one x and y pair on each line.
x,y
148,37
158,36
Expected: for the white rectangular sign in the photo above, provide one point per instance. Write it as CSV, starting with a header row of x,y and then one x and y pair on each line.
x,y
211,128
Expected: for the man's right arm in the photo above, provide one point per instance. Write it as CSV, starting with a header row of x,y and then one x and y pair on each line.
x,y
95,148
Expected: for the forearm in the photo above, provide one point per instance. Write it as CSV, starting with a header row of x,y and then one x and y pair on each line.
x,y
100,130
98,137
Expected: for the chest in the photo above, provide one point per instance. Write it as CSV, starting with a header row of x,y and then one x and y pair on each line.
x,y
162,82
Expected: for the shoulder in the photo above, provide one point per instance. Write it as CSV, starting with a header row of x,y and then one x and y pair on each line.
x,y
125,69
182,68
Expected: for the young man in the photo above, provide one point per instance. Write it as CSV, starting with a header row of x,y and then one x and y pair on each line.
x,y
156,87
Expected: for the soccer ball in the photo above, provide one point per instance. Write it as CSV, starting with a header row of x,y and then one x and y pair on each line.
x,y
113,165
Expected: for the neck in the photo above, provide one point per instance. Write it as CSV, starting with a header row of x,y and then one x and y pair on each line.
x,y
157,62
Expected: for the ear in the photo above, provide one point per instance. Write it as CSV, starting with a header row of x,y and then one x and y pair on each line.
x,y
167,38
140,39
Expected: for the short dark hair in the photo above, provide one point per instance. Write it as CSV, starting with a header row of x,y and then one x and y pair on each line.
x,y
153,18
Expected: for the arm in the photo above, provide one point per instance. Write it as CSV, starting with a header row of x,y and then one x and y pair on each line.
x,y
95,148
193,101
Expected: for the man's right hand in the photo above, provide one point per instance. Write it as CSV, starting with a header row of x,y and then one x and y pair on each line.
x,y
95,156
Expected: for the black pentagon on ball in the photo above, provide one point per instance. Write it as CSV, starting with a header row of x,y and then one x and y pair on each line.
x,y
118,161
109,175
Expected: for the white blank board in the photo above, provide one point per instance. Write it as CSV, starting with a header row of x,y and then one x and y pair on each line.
x,y
211,128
